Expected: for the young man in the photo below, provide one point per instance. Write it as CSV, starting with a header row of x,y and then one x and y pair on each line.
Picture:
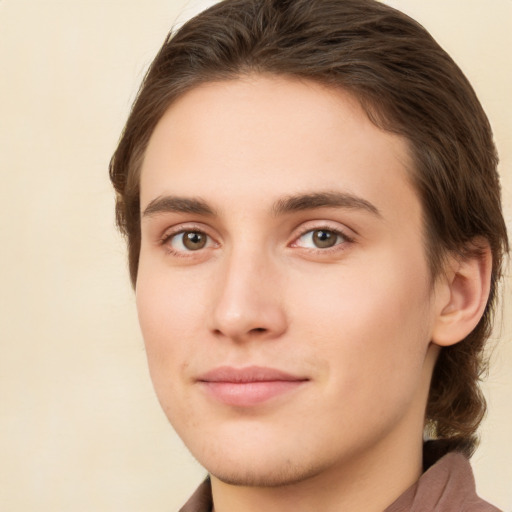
x,y
310,198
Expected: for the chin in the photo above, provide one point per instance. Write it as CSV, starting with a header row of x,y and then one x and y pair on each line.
x,y
269,465
281,474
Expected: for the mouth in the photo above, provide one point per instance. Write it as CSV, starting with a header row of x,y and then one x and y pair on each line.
x,y
250,386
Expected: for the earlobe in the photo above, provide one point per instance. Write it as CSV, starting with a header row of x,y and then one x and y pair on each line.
x,y
462,300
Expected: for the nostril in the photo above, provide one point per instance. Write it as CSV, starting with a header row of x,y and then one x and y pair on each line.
x,y
258,329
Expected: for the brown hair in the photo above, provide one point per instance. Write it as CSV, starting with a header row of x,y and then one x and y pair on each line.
x,y
406,83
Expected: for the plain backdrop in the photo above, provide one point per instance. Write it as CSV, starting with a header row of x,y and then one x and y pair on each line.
x,y
80,428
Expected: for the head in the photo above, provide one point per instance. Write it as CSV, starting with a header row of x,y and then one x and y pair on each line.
x,y
407,87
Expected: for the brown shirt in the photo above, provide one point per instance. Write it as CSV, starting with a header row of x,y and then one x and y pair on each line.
x,y
447,486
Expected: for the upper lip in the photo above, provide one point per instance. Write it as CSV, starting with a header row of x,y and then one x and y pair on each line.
x,y
247,374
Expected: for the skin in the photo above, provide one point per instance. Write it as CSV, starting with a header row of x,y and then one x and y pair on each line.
x,y
354,321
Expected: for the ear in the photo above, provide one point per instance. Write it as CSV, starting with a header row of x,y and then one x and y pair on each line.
x,y
461,295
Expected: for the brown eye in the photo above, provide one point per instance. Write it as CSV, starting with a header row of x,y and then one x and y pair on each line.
x,y
324,239
321,239
194,240
186,241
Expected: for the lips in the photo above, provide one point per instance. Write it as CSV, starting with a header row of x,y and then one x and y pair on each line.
x,y
250,386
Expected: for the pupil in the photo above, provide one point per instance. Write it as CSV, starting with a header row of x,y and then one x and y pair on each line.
x,y
323,239
194,240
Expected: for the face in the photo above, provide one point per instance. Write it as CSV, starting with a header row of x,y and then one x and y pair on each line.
x,y
283,291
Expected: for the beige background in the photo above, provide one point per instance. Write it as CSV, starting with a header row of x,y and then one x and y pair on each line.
x,y
80,429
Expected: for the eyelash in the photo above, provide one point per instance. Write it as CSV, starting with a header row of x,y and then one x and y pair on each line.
x,y
168,237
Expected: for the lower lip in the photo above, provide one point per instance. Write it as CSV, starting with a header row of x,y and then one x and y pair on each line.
x,y
247,394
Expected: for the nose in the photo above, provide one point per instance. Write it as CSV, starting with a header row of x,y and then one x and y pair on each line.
x,y
247,303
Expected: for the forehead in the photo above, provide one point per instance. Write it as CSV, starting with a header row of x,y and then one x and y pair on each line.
x,y
265,136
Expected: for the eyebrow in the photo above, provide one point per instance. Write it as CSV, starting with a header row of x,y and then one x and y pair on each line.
x,y
294,203
167,204
303,202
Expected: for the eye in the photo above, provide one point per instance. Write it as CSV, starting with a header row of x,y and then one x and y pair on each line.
x,y
320,239
185,241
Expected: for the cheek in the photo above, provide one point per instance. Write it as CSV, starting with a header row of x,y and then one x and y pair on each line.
x,y
381,297
169,321
168,303
370,323
167,326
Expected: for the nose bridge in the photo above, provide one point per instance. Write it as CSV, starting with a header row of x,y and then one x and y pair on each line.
x,y
247,301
